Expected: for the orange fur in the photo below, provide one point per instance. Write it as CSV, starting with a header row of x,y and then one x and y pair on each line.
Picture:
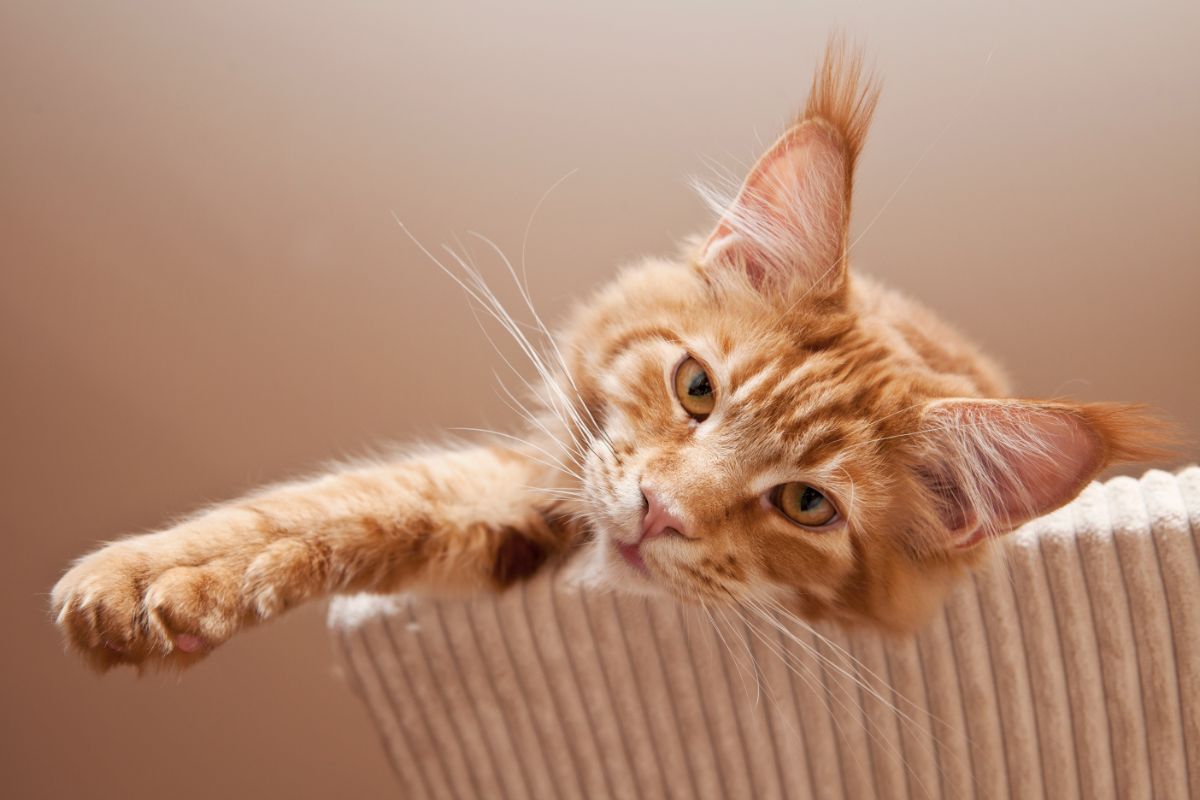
x,y
844,97
819,376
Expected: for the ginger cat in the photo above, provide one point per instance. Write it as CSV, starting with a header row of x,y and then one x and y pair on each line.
x,y
748,420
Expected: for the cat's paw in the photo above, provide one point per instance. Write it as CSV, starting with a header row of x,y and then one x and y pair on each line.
x,y
126,604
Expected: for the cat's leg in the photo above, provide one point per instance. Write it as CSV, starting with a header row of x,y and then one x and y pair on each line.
x,y
464,518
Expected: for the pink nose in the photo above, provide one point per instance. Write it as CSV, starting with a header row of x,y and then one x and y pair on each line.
x,y
657,521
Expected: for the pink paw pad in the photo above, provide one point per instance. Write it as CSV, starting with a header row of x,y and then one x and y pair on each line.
x,y
189,643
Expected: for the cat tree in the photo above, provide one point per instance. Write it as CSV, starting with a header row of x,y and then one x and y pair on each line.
x,y
1071,669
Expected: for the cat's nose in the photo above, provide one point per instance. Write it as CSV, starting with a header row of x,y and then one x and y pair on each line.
x,y
657,520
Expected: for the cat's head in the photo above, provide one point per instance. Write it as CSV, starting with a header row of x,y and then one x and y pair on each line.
x,y
771,428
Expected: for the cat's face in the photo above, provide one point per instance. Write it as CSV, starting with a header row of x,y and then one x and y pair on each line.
x,y
769,429
730,462
745,453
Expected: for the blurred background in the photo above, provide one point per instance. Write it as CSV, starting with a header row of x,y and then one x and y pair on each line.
x,y
203,287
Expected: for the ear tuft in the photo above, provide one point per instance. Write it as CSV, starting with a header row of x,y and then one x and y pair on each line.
x,y
1131,432
787,226
992,465
845,96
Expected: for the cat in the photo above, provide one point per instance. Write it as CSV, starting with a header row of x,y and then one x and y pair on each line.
x,y
749,421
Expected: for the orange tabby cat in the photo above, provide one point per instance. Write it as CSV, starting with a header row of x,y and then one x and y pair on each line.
x,y
749,420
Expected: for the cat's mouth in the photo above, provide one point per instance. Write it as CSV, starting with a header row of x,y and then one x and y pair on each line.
x,y
632,555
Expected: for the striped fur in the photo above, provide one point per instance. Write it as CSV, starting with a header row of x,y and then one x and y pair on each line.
x,y
820,376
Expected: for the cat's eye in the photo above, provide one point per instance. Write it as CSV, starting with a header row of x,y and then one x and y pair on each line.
x,y
694,389
803,505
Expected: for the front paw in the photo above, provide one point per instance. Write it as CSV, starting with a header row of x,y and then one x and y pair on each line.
x,y
127,604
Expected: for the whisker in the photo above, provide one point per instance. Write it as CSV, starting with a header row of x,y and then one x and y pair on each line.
x,y
524,290
870,726
552,463
912,170
497,310
488,301
814,683
926,733
779,608
571,447
725,644
529,225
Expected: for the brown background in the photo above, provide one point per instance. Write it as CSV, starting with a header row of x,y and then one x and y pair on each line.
x,y
203,287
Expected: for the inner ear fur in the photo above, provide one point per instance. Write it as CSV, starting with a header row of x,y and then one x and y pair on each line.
x,y
787,226
990,466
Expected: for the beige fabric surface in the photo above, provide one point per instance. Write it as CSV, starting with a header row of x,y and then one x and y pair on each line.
x,y
1069,669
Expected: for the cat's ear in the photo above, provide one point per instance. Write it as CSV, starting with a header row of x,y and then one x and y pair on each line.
x,y
787,225
992,465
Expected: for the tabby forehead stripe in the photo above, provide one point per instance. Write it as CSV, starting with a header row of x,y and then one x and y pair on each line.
x,y
615,348
787,384
744,392
826,399
746,367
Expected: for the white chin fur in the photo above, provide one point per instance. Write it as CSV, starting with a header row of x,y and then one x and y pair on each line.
x,y
598,568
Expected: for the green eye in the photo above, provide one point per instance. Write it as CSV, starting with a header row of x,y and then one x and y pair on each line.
x,y
803,505
694,389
